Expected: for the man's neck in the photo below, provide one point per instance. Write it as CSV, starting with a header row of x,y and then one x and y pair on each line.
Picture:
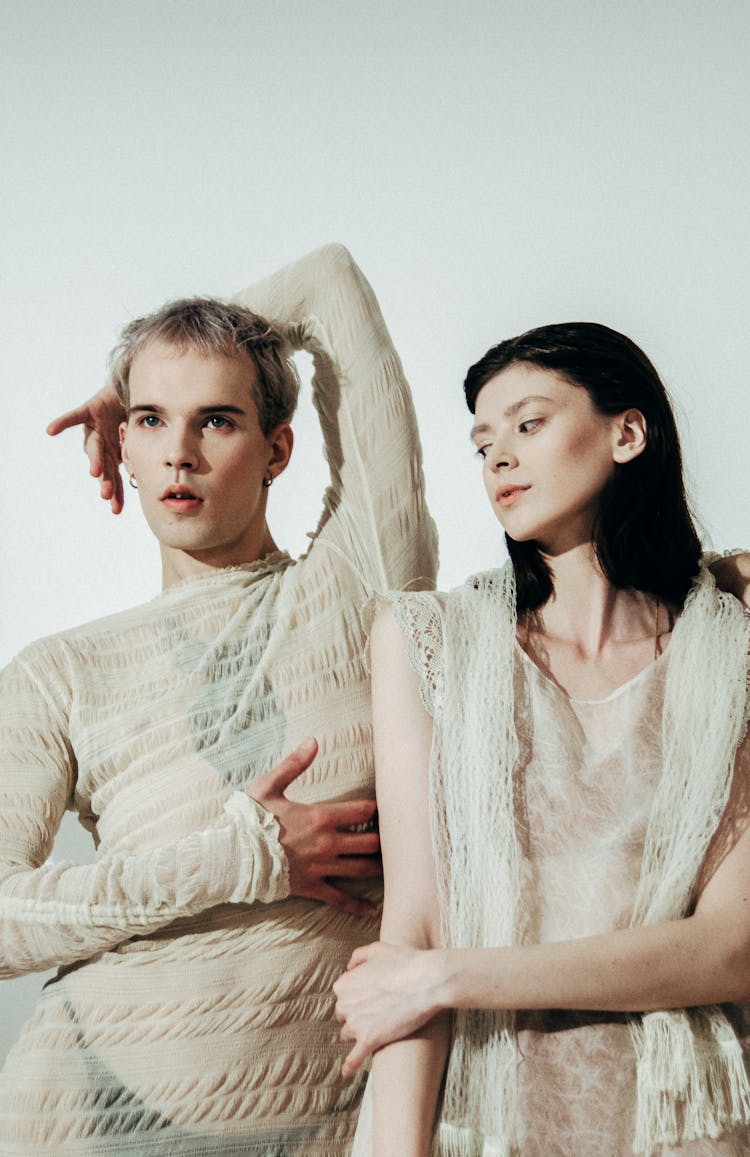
x,y
178,565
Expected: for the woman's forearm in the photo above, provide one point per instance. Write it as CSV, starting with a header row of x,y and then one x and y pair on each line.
x,y
407,1077
672,965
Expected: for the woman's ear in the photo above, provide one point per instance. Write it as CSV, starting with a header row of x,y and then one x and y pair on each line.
x,y
630,435
280,443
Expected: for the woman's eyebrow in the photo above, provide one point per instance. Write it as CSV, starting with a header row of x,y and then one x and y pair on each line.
x,y
485,427
516,406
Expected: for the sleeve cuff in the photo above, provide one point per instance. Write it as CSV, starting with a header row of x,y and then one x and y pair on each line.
x,y
263,872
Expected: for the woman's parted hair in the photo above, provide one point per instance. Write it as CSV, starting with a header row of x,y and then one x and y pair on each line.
x,y
644,535
215,327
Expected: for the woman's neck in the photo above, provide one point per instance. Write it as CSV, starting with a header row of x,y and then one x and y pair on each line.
x,y
587,611
591,638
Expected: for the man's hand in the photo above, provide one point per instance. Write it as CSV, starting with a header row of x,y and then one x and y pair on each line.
x,y
317,838
100,417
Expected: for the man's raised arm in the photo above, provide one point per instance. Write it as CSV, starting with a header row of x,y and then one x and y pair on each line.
x,y
375,512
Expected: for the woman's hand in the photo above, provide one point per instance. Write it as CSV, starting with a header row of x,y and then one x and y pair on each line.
x,y
387,992
732,574
100,417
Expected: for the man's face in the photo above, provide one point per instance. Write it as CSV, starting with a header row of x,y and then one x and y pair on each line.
x,y
194,445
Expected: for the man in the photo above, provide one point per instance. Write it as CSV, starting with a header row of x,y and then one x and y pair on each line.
x,y
193,1010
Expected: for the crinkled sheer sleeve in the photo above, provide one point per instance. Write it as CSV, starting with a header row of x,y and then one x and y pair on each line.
x,y
53,914
374,509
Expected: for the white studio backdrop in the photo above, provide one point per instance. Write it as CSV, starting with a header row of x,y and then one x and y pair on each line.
x,y
491,165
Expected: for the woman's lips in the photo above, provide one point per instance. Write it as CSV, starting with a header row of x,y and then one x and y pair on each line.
x,y
507,495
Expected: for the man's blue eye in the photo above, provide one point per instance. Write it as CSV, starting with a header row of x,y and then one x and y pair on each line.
x,y
218,422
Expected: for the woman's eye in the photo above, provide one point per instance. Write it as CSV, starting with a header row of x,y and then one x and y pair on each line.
x,y
529,425
481,451
150,421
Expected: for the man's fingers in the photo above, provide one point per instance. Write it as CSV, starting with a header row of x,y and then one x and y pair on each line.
x,y
93,445
117,500
274,782
110,482
356,844
65,421
110,469
354,905
356,867
349,813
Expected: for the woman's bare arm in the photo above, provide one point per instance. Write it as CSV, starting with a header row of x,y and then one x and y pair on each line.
x,y
407,1075
701,959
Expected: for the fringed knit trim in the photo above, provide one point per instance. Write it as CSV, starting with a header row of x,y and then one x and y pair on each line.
x,y
461,1141
692,1081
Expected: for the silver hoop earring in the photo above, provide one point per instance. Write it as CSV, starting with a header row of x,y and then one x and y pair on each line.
x,y
132,482
268,480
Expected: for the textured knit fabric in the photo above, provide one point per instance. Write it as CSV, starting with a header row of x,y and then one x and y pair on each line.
x,y
193,1011
599,801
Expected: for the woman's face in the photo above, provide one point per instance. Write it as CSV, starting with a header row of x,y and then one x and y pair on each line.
x,y
548,453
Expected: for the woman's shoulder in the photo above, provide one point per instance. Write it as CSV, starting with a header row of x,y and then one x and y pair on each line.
x,y
404,614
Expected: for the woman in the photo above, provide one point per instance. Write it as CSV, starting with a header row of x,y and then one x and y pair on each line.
x,y
562,774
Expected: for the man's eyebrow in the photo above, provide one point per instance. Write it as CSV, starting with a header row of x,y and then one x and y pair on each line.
x,y
221,409
148,408
483,427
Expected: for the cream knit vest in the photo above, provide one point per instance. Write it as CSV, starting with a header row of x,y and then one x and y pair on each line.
x,y
691,1076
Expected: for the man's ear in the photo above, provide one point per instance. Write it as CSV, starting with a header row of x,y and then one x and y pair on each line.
x,y
280,444
122,430
630,435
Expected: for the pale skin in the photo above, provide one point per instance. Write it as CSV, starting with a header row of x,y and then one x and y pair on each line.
x,y
394,999
192,441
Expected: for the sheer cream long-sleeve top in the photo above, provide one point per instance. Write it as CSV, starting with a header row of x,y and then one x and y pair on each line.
x,y
192,1013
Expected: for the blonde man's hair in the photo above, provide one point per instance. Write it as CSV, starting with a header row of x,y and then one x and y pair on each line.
x,y
214,327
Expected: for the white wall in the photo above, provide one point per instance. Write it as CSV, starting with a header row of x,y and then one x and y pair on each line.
x,y
492,165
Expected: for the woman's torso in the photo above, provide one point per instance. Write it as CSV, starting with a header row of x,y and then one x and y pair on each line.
x,y
587,778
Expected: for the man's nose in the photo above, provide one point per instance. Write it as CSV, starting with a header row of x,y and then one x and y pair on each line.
x,y
182,453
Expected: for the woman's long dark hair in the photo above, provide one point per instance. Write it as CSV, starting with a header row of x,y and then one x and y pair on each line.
x,y
644,535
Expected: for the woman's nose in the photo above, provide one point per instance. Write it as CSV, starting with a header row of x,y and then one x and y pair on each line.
x,y
501,459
